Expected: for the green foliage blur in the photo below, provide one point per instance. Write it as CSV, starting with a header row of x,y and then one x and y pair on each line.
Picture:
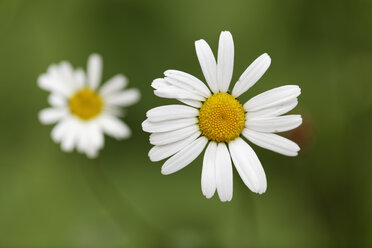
x,y
322,198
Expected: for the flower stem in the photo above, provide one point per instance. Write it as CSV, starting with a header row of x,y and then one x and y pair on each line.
x,y
123,212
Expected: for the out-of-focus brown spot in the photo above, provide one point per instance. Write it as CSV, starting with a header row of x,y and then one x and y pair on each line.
x,y
303,135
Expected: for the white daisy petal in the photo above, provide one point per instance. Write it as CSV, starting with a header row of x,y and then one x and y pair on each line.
x,y
171,112
224,176
166,126
52,115
164,138
79,78
192,103
84,144
124,98
208,179
225,62
59,79
94,70
52,84
158,153
273,111
56,100
91,152
114,111
177,93
66,75
169,88
207,63
272,142
60,129
252,74
114,127
113,85
159,83
95,135
83,139
190,82
274,124
66,70
248,165
273,97
69,140
88,137
181,85
184,157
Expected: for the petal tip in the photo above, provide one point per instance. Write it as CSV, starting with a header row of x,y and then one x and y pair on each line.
x,y
144,125
156,83
199,43
95,56
164,171
225,33
266,58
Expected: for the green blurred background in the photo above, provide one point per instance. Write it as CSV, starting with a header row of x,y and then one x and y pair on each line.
x,y
322,198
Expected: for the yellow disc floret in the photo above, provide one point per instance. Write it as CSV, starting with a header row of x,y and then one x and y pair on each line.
x,y
85,104
221,118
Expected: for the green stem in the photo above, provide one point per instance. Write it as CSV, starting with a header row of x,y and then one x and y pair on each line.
x,y
122,211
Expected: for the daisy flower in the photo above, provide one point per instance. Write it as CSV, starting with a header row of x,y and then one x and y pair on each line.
x,y
82,109
214,118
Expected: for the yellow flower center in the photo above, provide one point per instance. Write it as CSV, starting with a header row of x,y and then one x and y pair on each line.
x,y
221,118
85,104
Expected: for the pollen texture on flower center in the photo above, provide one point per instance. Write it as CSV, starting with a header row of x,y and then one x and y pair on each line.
x,y
85,104
221,118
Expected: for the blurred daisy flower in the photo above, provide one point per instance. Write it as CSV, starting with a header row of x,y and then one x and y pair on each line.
x,y
214,118
82,109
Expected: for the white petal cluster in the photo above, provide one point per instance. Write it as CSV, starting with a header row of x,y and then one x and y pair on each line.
x,y
175,132
63,81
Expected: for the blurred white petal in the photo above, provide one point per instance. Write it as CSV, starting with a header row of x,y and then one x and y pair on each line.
x,y
94,70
